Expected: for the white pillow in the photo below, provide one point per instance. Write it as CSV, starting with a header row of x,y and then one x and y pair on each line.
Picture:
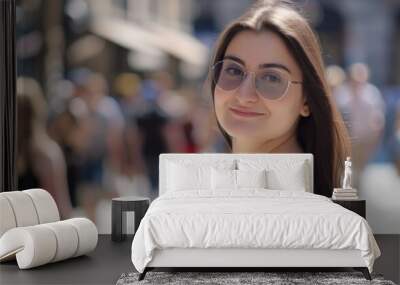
x,y
227,179
191,174
251,178
293,180
223,179
281,174
181,177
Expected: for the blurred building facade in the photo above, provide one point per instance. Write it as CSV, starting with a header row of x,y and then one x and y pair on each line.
x,y
155,34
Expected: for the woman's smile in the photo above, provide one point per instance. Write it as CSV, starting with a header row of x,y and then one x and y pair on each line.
x,y
247,114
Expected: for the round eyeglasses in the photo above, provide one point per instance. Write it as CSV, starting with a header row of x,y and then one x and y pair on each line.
x,y
270,83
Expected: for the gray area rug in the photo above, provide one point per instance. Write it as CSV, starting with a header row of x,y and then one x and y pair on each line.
x,y
229,278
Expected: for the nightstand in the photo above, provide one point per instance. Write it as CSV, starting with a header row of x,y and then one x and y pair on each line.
x,y
357,206
138,205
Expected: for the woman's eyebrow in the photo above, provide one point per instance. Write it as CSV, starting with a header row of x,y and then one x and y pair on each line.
x,y
234,58
274,65
263,65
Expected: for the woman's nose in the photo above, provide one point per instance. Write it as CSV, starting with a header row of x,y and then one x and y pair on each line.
x,y
247,91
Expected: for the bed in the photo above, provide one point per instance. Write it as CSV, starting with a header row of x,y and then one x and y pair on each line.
x,y
245,211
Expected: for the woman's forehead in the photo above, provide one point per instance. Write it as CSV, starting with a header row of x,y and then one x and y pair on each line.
x,y
257,48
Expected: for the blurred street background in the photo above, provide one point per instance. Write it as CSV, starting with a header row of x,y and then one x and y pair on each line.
x,y
105,86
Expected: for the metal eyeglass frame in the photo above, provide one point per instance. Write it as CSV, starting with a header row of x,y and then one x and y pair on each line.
x,y
246,72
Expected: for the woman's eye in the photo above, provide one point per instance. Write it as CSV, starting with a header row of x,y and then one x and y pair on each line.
x,y
233,71
271,78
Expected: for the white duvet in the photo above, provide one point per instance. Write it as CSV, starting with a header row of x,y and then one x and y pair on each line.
x,y
251,218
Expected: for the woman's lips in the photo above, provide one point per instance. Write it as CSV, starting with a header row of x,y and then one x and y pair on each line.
x,y
245,113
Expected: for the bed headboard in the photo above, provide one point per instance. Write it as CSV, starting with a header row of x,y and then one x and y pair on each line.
x,y
210,158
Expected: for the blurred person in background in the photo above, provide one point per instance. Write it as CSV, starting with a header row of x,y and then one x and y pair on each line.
x,y
128,87
158,124
175,106
134,177
151,126
200,125
190,118
396,139
335,76
40,160
102,151
363,110
69,127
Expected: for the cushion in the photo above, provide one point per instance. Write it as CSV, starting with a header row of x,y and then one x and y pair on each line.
x,y
223,179
281,174
87,233
23,208
67,239
26,208
228,179
45,206
183,178
292,180
32,246
7,220
186,174
40,244
251,178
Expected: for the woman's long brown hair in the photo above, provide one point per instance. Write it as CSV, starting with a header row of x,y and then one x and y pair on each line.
x,y
323,133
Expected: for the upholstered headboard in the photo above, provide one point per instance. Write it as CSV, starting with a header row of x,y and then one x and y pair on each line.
x,y
248,160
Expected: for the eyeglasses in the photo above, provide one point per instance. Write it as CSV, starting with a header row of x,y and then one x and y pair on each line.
x,y
270,84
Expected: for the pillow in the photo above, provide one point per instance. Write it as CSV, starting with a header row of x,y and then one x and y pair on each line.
x,y
223,179
228,179
181,177
190,174
280,174
293,180
251,178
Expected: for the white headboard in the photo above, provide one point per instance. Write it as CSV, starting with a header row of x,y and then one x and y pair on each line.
x,y
208,158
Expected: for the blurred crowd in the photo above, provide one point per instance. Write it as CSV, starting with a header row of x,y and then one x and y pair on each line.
x,y
91,139
363,110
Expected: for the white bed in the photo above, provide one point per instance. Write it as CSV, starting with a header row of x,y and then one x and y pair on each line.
x,y
201,219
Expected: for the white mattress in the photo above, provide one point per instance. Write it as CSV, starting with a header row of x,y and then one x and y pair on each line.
x,y
252,218
255,257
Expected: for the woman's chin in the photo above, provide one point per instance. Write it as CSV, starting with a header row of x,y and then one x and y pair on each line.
x,y
237,131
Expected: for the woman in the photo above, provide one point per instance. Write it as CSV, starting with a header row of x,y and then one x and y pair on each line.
x,y
40,160
270,95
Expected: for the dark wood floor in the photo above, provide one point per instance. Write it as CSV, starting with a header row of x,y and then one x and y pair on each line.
x,y
110,260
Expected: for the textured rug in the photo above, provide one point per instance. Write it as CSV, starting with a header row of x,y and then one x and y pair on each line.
x,y
273,278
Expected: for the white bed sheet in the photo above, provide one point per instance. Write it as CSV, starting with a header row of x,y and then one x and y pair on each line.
x,y
251,218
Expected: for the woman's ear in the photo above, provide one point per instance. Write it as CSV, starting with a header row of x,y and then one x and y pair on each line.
x,y
305,109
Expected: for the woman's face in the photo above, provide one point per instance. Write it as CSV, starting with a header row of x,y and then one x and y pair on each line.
x,y
273,119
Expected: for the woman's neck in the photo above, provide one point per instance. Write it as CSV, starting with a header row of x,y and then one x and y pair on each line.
x,y
284,144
